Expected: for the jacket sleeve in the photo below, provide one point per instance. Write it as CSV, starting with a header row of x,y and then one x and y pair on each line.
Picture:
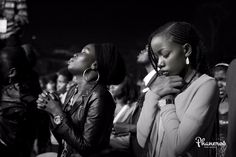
x,y
97,125
199,115
147,116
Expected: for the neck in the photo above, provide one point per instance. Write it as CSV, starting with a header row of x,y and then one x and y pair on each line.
x,y
78,79
189,74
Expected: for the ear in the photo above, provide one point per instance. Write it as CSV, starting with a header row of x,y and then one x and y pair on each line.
x,y
94,65
187,49
12,72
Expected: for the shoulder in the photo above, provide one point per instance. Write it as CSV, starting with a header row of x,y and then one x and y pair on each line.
x,y
205,80
208,84
101,91
101,98
102,94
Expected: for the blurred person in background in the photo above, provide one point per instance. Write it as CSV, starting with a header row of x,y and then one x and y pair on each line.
x,y
63,78
15,13
143,59
219,73
18,112
51,82
125,95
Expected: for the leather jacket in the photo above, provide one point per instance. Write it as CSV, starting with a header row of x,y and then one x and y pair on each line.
x,y
87,126
17,128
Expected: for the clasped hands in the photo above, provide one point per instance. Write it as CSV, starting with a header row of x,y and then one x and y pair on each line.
x,y
49,102
167,86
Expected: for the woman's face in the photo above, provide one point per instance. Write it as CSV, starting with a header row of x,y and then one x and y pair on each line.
x,y
220,76
83,60
61,84
171,56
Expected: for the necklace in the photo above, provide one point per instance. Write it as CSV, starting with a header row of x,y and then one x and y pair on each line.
x,y
187,83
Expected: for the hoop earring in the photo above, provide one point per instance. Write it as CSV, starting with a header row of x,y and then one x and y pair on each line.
x,y
86,71
187,61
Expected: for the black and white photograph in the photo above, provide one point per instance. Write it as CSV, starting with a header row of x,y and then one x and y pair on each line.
x,y
117,78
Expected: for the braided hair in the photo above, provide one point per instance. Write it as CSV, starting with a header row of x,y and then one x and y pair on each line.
x,y
181,33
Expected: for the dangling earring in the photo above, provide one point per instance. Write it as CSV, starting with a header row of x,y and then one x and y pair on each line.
x,y
187,61
86,71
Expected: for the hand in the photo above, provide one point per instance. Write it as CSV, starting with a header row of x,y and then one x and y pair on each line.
x,y
49,102
167,85
119,128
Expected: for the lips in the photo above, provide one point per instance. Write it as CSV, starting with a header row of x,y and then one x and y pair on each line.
x,y
70,61
161,72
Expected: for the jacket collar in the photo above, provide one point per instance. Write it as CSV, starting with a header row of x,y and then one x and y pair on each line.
x,y
85,91
11,93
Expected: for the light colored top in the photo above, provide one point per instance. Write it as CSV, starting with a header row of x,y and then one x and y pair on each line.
x,y
124,114
172,130
121,141
147,79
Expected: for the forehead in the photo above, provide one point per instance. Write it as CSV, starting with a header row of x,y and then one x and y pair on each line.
x,y
90,47
220,73
161,42
61,77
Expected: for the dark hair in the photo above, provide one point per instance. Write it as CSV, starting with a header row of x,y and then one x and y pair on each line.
x,y
65,72
129,90
51,77
31,54
111,65
15,58
182,33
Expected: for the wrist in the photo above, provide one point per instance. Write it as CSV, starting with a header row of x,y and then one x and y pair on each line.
x,y
58,118
168,97
165,101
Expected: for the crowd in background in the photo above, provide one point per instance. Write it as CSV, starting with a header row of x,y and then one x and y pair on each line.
x,y
92,107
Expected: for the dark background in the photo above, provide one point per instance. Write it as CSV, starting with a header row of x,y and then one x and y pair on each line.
x,y
59,28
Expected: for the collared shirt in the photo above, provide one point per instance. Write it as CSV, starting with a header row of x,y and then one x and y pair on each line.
x,y
148,79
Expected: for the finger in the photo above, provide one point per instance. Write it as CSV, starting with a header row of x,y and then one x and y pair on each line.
x,y
176,84
175,78
44,95
52,96
174,90
40,99
41,106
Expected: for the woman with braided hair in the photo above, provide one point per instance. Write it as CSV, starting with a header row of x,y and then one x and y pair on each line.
x,y
179,109
83,123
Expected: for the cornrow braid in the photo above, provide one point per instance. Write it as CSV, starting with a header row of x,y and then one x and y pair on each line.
x,y
182,33
153,59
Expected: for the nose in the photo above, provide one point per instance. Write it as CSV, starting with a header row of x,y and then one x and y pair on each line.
x,y
75,55
220,84
161,63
